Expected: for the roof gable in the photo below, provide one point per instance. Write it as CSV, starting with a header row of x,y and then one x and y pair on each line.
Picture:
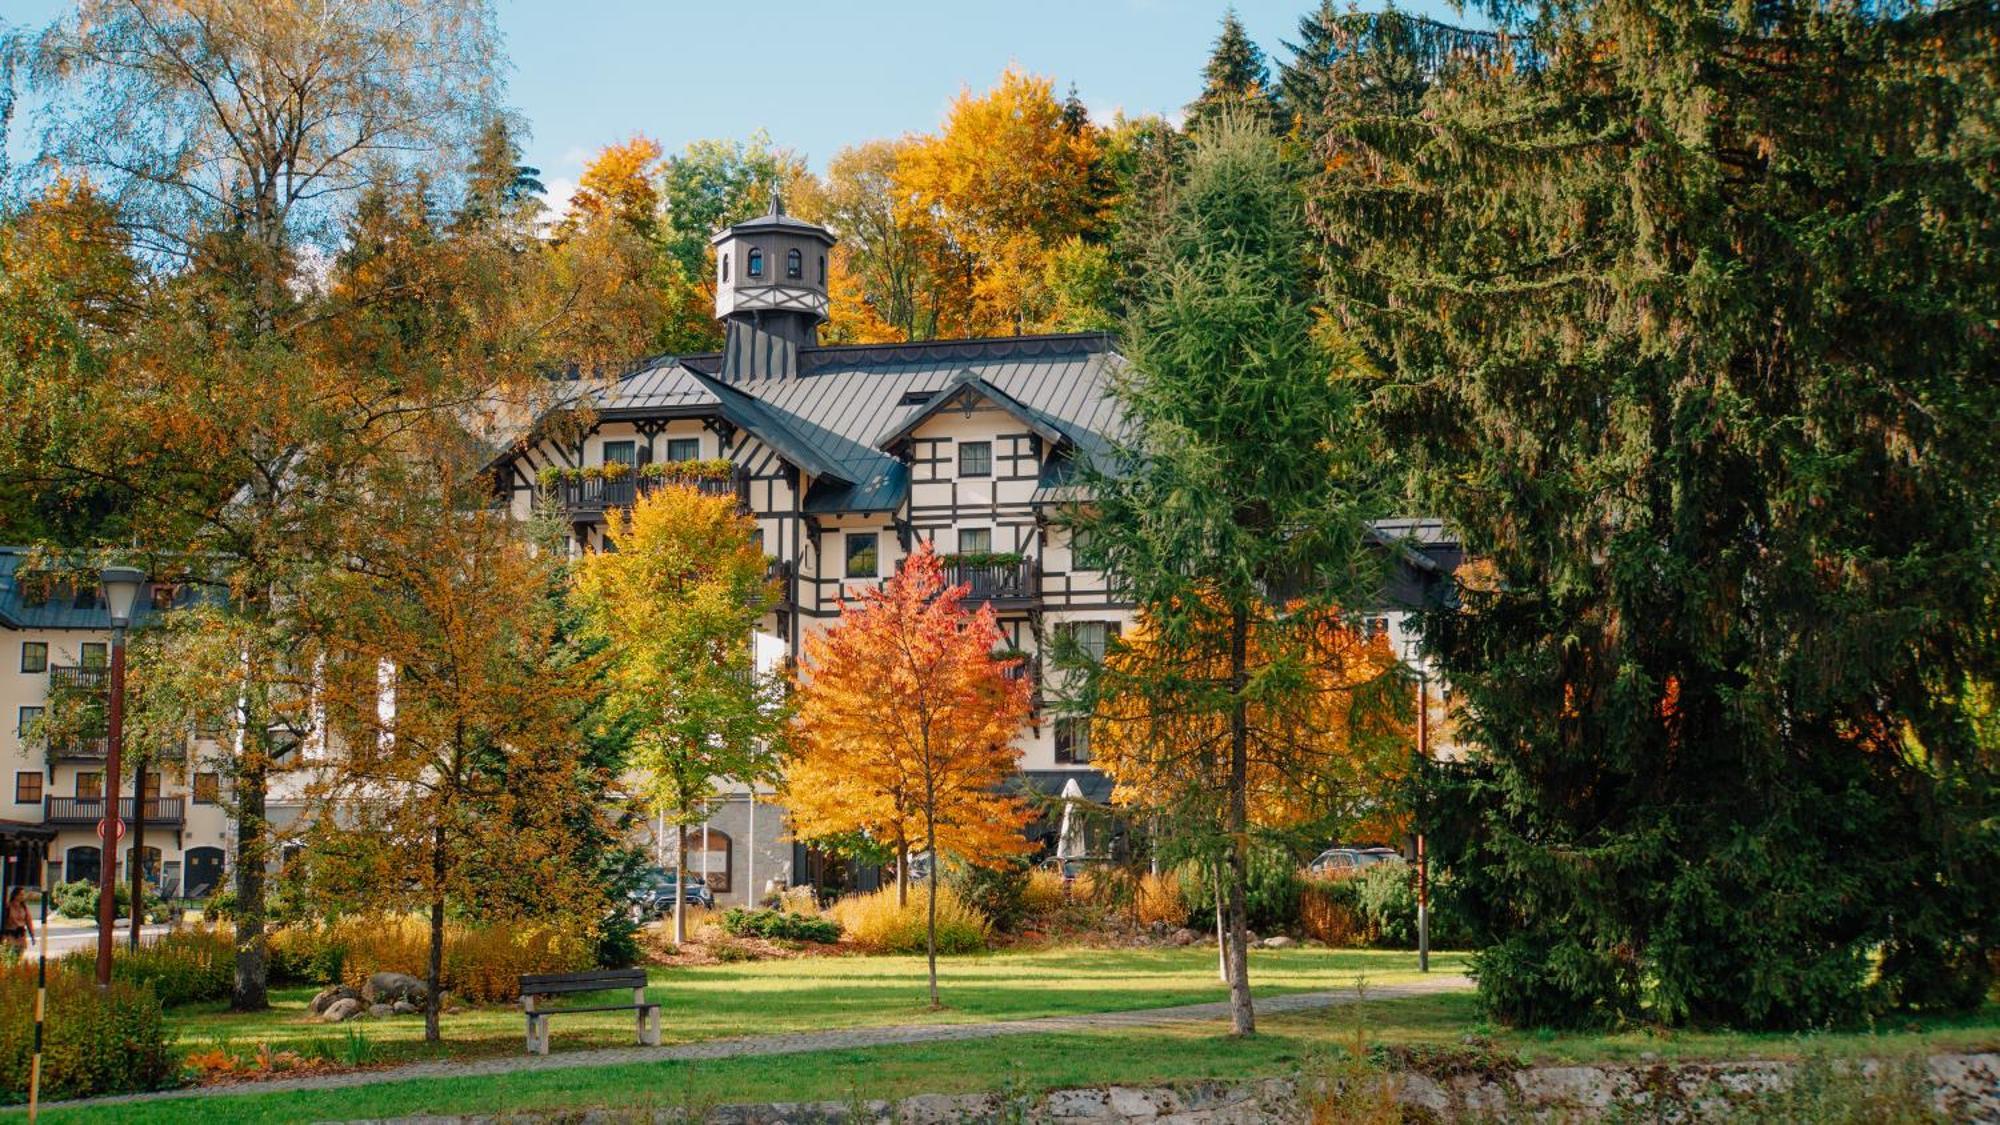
x,y
965,388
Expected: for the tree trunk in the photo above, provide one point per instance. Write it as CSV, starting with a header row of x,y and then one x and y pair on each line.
x,y
1242,1019
434,964
930,919
680,884
902,872
249,993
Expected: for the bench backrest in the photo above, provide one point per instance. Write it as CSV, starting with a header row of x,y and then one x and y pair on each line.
x,y
556,984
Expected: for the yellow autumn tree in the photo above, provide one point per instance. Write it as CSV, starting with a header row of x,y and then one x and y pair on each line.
x,y
1008,180
905,729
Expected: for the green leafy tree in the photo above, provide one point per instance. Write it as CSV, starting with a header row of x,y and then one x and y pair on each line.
x,y
1246,475
676,604
1681,323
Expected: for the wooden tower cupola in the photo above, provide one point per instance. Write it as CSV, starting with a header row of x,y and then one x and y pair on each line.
x,y
770,291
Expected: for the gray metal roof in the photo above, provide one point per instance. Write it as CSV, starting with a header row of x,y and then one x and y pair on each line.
x,y
57,609
832,418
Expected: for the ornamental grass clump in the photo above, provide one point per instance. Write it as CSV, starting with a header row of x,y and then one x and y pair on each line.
x,y
182,967
482,963
875,923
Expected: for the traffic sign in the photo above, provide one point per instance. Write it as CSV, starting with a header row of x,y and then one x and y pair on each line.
x,y
117,829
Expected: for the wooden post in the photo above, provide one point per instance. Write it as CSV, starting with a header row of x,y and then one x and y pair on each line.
x,y
41,995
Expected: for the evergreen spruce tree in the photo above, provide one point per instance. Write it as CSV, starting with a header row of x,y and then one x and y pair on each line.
x,y
1244,474
1686,320
498,187
1235,75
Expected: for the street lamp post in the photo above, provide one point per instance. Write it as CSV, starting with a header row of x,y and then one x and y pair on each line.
x,y
1416,662
121,592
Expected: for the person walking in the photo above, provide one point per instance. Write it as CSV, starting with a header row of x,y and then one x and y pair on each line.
x,y
17,925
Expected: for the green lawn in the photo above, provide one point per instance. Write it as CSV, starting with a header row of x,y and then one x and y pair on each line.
x,y
817,993
1132,1056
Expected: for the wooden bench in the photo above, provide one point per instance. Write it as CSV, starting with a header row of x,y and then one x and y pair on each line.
x,y
562,984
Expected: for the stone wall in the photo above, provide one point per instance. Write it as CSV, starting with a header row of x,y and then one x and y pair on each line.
x,y
1966,1088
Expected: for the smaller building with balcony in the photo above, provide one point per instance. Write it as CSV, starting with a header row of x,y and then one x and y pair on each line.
x,y
55,642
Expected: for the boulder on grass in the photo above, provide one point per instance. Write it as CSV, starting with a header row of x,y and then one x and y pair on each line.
x,y
1279,942
340,1011
387,988
404,1008
328,996
381,1011
1183,936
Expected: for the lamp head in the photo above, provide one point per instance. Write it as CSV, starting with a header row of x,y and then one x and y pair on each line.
x,y
121,592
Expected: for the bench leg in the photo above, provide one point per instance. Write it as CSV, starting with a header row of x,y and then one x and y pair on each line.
x,y
649,1026
538,1034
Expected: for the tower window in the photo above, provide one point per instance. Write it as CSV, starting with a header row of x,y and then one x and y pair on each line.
x,y
756,267
795,265
822,269
725,265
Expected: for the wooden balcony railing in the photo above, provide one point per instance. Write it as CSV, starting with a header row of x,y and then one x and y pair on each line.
x,y
74,677
68,811
588,498
1016,583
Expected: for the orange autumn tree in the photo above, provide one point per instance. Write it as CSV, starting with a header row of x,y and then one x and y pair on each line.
x,y
905,729
1334,742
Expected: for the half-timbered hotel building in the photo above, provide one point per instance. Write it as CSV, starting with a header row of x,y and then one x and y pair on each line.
x,y
847,456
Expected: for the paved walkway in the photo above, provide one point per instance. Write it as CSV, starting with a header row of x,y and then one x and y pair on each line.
x,y
795,1043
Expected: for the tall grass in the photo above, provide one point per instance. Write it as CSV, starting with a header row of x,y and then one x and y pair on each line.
x,y
482,963
875,923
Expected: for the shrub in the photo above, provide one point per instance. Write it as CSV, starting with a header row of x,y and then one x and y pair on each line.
x,y
181,967
79,900
778,925
878,925
1159,900
110,1042
998,892
1274,885
1378,907
482,963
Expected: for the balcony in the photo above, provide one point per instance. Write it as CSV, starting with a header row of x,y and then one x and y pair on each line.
x,y
588,498
73,677
999,584
85,812
86,749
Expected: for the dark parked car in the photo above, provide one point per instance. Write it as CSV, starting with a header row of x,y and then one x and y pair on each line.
x,y
654,895
1338,863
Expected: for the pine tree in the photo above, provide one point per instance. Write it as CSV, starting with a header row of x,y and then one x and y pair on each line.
x,y
1684,326
1245,475
498,187
1235,75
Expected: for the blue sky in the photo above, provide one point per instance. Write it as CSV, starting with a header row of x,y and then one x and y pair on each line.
x,y
818,76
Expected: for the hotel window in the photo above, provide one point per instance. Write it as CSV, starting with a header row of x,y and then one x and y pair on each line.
x,y
86,597
795,265
975,458
756,266
160,595
1073,741
822,269
96,654
1084,553
152,787
683,449
25,720
28,787
34,656
1093,637
861,554
975,540
621,452
725,266
207,788
90,785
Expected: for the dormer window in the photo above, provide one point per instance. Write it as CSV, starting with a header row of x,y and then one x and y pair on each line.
x,y
756,267
795,265
725,266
